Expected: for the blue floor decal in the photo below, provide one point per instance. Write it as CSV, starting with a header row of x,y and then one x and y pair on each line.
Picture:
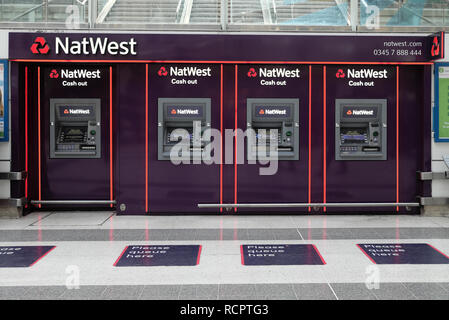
x,y
159,255
22,256
280,254
403,253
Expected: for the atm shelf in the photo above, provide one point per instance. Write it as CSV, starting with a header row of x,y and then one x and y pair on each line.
x,y
73,202
306,205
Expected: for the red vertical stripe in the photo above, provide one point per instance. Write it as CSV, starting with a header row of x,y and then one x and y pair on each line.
x,y
199,255
146,138
366,254
221,136
309,198
26,133
111,181
235,138
324,136
397,136
39,132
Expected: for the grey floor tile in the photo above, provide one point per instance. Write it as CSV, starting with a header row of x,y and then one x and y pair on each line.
x,y
313,234
387,233
393,291
44,293
237,290
274,289
19,235
278,297
146,297
152,291
199,292
181,234
260,234
157,234
232,297
122,293
337,233
363,233
129,235
84,293
75,235
428,291
313,291
444,285
420,233
286,234
352,291
12,293
234,234
207,234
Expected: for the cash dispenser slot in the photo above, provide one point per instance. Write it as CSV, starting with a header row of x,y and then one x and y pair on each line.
x,y
361,129
273,129
182,122
75,128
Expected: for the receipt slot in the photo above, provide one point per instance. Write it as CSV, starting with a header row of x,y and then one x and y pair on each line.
x,y
75,128
361,129
182,122
275,127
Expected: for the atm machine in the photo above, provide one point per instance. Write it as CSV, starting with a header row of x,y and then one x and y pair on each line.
x,y
360,129
183,121
75,128
275,126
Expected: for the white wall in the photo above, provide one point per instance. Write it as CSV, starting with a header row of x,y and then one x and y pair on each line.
x,y
5,147
440,188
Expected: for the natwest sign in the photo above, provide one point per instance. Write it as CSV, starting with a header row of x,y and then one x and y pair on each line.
x,y
95,45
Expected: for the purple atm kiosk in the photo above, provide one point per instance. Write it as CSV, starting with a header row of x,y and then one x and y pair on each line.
x,y
263,123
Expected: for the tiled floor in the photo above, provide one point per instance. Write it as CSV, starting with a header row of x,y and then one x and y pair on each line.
x,y
88,244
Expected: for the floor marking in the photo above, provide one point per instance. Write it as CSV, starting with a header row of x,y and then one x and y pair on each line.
x,y
332,290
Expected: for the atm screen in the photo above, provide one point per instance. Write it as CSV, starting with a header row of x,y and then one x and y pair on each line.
x,y
354,135
73,134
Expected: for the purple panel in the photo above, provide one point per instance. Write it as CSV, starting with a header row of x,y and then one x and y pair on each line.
x,y
202,47
280,254
159,255
356,180
179,188
131,139
72,179
403,253
290,183
23,256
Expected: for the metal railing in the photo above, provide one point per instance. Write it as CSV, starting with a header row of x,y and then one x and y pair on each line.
x,y
241,15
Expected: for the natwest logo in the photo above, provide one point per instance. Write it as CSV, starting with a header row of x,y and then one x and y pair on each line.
x,y
40,46
162,72
252,73
360,112
362,74
435,51
188,72
340,73
185,111
76,111
94,46
279,73
273,112
54,74
79,74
